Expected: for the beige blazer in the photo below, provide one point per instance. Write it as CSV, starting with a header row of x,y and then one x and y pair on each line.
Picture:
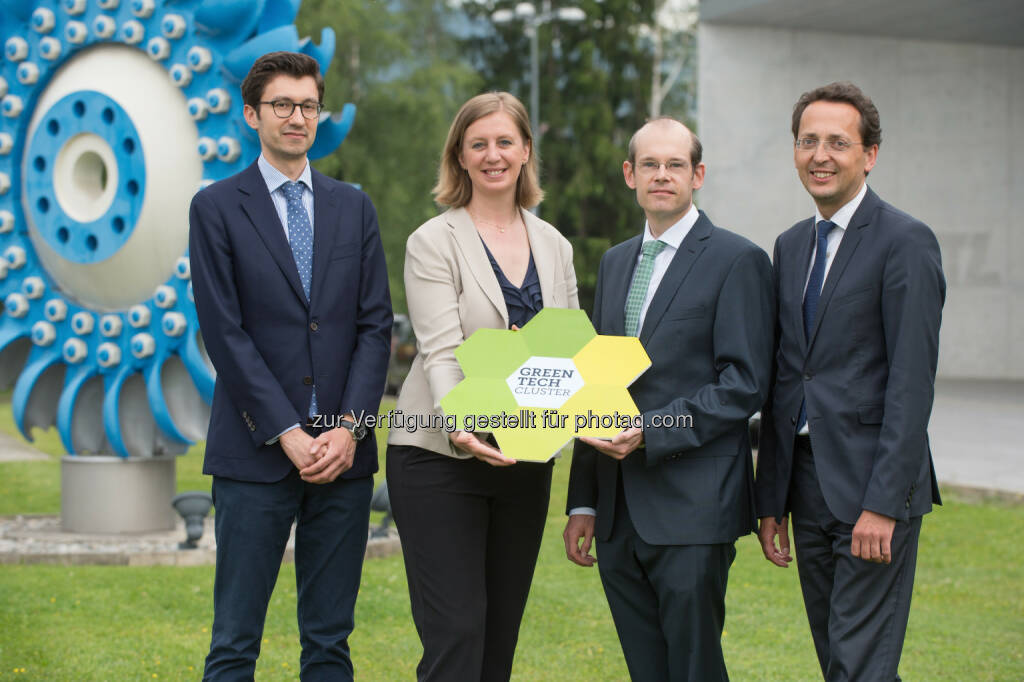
x,y
452,291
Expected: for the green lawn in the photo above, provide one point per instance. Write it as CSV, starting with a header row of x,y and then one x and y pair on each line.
x,y
120,623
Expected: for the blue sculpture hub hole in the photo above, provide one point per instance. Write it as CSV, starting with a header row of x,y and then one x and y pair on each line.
x,y
85,177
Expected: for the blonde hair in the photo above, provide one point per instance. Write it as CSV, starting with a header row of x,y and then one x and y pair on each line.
x,y
453,187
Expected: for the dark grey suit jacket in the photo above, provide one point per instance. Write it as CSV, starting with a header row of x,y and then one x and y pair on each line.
x,y
708,332
867,371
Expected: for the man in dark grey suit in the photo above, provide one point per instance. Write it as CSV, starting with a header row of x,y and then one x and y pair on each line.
x,y
844,444
672,497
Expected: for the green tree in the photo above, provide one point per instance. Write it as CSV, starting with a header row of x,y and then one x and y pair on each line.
x,y
595,89
397,62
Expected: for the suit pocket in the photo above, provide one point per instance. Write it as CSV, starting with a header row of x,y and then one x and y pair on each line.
x,y
345,250
870,414
853,297
686,313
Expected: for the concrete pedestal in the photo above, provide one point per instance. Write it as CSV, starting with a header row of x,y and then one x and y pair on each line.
x,y
116,495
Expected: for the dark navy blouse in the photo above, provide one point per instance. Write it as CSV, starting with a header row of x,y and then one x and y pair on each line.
x,y
522,302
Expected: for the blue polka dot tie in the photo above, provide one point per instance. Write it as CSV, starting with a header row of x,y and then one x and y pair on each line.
x,y
300,233
300,236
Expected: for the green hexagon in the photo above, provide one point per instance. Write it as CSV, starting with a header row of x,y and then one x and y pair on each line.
x,y
489,356
492,353
537,444
558,333
475,395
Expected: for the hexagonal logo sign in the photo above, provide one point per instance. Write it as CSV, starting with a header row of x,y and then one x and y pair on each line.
x,y
538,388
544,382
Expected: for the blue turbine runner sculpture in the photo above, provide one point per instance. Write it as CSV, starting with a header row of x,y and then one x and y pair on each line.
x,y
113,113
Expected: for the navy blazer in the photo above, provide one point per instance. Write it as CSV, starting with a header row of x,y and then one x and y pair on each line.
x,y
267,343
867,371
708,332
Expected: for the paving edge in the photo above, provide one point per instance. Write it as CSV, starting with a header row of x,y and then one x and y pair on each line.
x,y
974,494
376,548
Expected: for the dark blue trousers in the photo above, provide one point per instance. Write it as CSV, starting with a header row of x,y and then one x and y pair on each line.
x,y
857,610
667,602
252,523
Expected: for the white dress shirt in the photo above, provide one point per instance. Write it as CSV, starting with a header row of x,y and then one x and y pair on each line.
x,y
841,219
672,237
276,180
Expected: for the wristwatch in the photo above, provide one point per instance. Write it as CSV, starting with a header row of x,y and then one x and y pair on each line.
x,y
358,431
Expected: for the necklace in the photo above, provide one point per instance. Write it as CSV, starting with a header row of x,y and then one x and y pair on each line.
x,y
501,228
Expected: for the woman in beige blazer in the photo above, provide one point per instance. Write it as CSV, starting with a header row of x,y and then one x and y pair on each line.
x,y
471,519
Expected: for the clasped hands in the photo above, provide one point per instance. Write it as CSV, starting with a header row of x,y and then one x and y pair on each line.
x,y
321,459
871,539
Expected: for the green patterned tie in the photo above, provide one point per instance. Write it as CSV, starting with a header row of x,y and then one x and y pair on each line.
x,y
638,289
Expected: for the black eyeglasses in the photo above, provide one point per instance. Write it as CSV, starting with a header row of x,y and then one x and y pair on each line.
x,y
284,108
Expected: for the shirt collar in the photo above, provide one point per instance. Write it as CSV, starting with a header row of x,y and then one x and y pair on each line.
x,y
844,215
275,178
675,235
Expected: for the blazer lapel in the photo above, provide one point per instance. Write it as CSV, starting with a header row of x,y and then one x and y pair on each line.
x,y
620,276
327,223
472,247
686,255
854,232
796,278
258,206
543,256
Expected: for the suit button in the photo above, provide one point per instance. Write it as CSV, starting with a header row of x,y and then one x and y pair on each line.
x,y
808,376
792,420
252,427
307,380
314,325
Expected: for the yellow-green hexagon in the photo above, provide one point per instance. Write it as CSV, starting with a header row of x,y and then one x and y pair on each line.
x,y
592,402
558,332
533,442
612,360
607,364
492,353
478,396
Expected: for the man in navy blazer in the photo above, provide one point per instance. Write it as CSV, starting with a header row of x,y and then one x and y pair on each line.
x,y
843,445
671,498
292,296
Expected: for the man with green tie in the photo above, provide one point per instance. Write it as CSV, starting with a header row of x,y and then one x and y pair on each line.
x,y
667,501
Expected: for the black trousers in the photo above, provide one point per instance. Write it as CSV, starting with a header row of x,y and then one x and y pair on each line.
x,y
470,535
252,524
857,609
667,601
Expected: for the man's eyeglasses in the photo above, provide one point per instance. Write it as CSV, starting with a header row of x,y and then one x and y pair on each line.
x,y
284,108
651,167
832,144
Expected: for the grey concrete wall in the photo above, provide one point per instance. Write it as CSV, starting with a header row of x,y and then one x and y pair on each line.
x,y
952,154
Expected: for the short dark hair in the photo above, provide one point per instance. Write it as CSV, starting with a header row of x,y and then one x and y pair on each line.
x,y
272,64
696,148
848,93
